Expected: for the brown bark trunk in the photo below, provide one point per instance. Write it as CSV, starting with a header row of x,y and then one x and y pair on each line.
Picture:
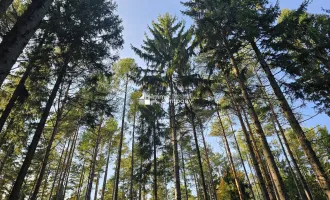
x,y
120,144
50,144
307,148
155,162
106,168
258,165
201,171
56,173
14,97
45,184
81,180
140,185
96,186
265,147
214,190
94,159
16,39
176,167
230,158
240,155
184,172
132,161
35,140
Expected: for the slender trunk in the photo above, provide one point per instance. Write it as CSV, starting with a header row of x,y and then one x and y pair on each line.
x,y
8,154
155,162
140,185
263,167
132,162
301,178
257,185
266,149
18,91
16,39
184,172
4,4
3,137
96,186
45,184
240,154
230,158
81,180
62,170
56,173
176,167
106,168
120,143
192,114
319,171
68,168
213,187
49,146
92,174
265,190
35,140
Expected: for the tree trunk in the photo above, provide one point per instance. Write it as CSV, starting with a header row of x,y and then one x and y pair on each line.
x,y
301,178
176,167
96,186
195,179
106,169
81,180
45,184
184,172
56,173
230,158
155,162
266,149
140,185
257,185
92,173
14,97
240,154
35,140
120,143
214,190
8,154
263,167
132,161
16,39
4,4
192,114
265,190
50,144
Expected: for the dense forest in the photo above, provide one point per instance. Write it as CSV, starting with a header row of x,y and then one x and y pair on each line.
x,y
80,122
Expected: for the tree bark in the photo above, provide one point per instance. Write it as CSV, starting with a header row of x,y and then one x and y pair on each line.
x,y
45,184
132,161
193,118
184,172
35,140
230,158
14,97
17,38
56,173
319,171
9,152
106,169
49,146
140,185
4,5
275,121
240,154
176,167
96,186
92,173
120,143
81,179
265,190
155,162
214,190
266,149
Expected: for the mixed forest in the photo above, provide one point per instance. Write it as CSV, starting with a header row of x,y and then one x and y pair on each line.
x,y
74,124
